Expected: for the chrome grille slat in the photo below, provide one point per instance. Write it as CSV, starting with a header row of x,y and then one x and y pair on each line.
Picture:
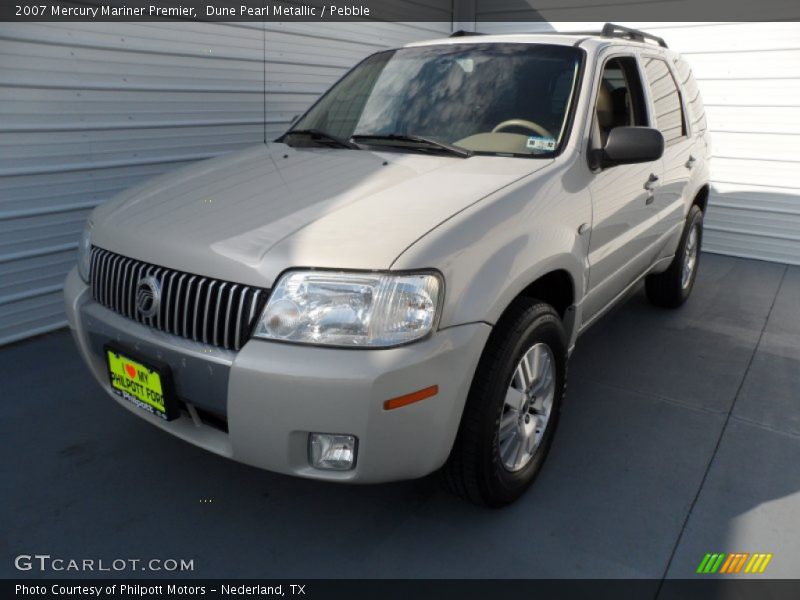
x,y
205,310
127,280
253,304
169,279
112,263
123,292
217,312
157,316
96,281
127,308
175,323
112,269
238,334
197,308
227,327
93,269
114,279
107,284
139,274
101,283
148,320
186,307
120,282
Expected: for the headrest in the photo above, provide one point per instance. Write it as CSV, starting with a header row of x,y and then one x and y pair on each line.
x,y
605,105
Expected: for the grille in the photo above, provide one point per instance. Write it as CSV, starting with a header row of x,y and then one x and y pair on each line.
x,y
199,308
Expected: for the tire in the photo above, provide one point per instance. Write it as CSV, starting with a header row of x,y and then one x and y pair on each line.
x,y
477,468
670,289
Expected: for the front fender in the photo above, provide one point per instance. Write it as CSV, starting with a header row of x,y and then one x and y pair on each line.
x,y
492,251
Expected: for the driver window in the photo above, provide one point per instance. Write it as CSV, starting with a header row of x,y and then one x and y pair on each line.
x,y
620,100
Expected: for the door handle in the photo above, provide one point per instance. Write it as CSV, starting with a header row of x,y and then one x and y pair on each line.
x,y
650,184
691,162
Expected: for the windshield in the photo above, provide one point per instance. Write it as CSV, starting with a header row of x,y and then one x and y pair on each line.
x,y
486,98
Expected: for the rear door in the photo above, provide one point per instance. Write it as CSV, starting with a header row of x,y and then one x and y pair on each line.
x,y
667,106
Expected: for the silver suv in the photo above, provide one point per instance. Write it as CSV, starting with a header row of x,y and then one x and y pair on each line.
x,y
393,287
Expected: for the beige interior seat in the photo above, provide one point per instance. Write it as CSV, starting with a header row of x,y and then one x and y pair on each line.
x,y
605,110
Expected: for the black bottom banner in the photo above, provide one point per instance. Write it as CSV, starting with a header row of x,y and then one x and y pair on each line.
x,y
387,589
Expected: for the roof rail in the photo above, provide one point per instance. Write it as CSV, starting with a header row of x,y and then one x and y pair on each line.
x,y
463,33
618,31
609,30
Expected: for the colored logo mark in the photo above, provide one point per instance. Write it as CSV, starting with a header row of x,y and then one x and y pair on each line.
x,y
741,562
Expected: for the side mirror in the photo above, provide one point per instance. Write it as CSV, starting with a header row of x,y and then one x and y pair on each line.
x,y
630,145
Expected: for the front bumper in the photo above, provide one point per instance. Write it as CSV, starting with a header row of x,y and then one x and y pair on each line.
x,y
259,405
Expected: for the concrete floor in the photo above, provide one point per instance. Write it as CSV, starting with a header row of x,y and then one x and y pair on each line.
x,y
680,436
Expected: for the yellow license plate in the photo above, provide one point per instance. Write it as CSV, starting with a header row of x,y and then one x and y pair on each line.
x,y
144,386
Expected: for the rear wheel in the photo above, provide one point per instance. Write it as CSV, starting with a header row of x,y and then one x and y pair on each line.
x,y
512,409
671,288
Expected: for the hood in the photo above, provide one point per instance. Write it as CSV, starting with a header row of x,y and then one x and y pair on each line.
x,y
248,216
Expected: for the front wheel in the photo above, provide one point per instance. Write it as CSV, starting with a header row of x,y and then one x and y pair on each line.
x,y
512,409
671,288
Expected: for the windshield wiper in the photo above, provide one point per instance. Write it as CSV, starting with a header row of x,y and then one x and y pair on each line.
x,y
318,135
412,140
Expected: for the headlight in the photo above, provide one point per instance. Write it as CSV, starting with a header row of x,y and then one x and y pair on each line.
x,y
85,252
369,310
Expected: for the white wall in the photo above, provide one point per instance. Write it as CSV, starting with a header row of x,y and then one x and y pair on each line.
x,y
89,109
749,75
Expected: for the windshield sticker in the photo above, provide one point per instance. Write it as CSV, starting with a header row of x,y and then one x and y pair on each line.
x,y
546,144
467,64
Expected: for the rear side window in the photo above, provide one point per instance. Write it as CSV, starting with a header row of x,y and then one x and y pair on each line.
x,y
694,103
669,118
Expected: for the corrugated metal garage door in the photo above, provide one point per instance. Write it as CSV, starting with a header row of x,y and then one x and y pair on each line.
x,y
89,109
749,75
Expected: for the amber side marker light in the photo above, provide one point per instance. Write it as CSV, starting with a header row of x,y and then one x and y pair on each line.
x,y
411,398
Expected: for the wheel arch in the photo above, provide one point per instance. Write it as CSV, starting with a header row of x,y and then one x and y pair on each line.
x,y
556,286
701,197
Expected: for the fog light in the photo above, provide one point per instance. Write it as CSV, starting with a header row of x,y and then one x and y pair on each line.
x,y
332,452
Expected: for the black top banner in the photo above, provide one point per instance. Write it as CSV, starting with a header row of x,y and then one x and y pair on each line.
x,y
457,11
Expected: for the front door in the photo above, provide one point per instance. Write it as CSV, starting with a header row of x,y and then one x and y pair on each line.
x,y
621,195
